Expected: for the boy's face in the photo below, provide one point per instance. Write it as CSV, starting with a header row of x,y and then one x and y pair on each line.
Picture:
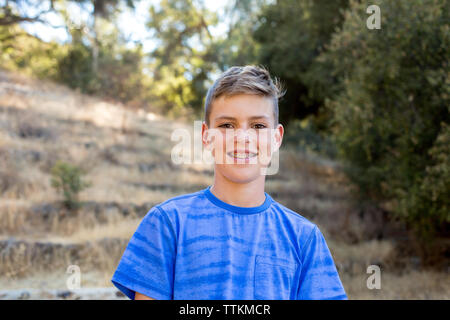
x,y
242,136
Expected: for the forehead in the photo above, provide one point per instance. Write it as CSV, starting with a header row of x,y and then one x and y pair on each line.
x,y
242,107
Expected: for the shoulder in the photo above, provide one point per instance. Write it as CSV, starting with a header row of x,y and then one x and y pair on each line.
x,y
309,239
170,212
295,217
303,227
175,208
182,202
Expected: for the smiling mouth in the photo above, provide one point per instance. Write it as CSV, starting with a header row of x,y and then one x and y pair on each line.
x,y
242,155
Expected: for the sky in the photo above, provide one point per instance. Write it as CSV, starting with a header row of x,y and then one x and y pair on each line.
x,y
132,24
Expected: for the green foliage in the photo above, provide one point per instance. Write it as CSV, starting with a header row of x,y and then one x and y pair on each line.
x,y
304,135
389,100
238,47
32,56
119,73
183,60
291,34
428,207
67,179
74,69
189,56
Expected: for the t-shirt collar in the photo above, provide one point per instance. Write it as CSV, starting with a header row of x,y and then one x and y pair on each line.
x,y
236,209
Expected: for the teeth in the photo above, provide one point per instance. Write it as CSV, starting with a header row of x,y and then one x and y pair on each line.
x,y
242,155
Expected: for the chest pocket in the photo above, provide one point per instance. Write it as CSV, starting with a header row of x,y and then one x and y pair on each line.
x,y
274,278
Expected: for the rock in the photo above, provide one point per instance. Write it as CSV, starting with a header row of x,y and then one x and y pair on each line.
x,y
65,294
25,295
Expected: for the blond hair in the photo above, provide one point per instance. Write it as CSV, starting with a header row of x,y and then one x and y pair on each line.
x,y
245,80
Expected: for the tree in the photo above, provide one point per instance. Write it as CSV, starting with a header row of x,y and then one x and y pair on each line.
x,y
390,110
11,12
102,11
291,34
182,60
237,47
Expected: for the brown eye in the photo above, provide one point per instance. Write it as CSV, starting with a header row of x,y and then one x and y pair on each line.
x,y
226,126
260,126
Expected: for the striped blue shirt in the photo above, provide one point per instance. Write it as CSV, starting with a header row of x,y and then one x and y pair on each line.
x,y
196,246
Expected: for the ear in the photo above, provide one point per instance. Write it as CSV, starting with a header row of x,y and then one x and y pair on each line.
x,y
206,138
278,137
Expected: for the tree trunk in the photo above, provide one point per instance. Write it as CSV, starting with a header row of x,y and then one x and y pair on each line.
x,y
95,46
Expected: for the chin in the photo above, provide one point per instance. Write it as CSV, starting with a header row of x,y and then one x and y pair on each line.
x,y
240,173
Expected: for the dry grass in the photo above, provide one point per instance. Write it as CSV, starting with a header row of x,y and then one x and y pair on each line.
x,y
412,285
121,228
56,280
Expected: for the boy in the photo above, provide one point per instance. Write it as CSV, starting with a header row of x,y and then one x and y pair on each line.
x,y
231,240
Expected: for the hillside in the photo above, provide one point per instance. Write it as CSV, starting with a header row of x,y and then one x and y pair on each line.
x,y
126,157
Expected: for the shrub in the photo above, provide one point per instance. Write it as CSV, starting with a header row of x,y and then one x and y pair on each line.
x,y
390,108
67,179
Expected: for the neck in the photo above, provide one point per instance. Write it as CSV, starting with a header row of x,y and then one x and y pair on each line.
x,y
249,194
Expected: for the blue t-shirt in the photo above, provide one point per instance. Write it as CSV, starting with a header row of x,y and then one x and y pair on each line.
x,y
196,246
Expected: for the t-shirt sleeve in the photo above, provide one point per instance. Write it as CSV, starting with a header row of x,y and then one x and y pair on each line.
x,y
147,263
319,279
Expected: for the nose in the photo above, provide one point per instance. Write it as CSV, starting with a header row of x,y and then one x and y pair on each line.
x,y
242,135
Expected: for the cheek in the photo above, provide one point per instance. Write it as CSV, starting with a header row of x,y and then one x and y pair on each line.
x,y
265,145
219,147
264,139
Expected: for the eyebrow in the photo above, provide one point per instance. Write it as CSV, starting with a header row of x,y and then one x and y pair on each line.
x,y
251,118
